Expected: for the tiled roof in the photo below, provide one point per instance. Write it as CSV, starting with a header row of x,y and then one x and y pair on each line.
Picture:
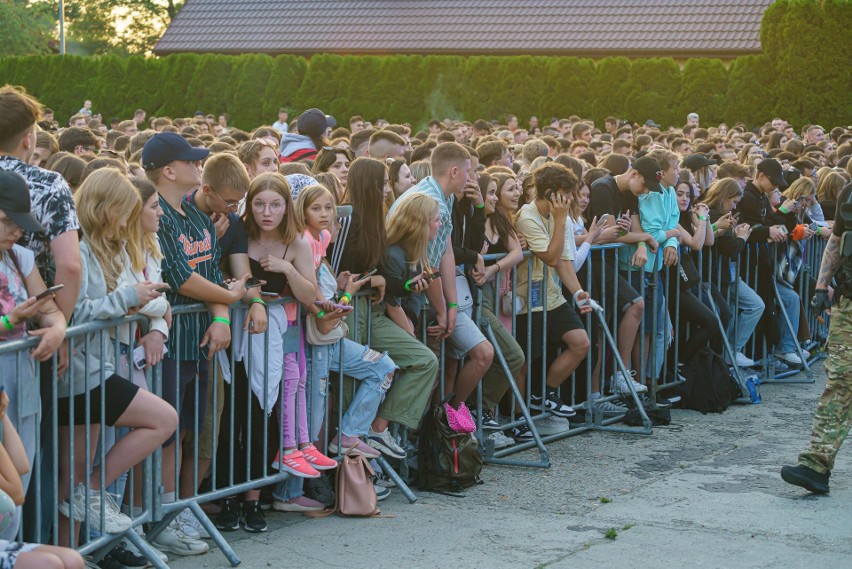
x,y
570,27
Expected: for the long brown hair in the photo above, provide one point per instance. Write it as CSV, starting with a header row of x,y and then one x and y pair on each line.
x,y
499,219
290,228
364,191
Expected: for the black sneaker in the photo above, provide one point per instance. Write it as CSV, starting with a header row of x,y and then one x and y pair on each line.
x,y
253,519
489,423
320,489
228,518
522,433
808,479
266,499
553,404
124,557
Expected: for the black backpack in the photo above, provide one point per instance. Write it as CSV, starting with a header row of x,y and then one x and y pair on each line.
x,y
709,386
447,461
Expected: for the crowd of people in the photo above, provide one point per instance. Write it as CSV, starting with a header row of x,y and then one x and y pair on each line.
x,y
142,216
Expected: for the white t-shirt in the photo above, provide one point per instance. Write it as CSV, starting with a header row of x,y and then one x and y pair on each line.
x,y
12,289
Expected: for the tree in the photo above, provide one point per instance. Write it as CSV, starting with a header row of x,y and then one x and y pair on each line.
x,y
120,27
27,27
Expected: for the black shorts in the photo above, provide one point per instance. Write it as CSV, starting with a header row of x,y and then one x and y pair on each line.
x,y
180,381
609,288
118,394
559,320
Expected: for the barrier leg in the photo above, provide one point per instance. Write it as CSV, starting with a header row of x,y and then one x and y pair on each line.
x,y
785,377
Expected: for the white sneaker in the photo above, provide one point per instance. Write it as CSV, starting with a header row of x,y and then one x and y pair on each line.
x,y
618,384
382,492
552,425
190,525
501,440
608,408
128,545
789,357
743,361
173,540
75,506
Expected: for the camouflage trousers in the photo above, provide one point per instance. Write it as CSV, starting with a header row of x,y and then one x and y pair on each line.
x,y
834,411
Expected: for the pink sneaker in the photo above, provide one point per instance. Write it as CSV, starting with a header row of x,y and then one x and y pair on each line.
x,y
317,459
295,464
354,445
459,419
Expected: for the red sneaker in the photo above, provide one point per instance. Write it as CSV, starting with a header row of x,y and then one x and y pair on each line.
x,y
294,463
317,459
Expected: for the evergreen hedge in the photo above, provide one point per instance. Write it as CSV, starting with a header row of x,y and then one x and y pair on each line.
x,y
802,75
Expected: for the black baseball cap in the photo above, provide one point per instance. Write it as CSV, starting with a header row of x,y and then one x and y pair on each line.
x,y
15,201
772,169
312,123
651,172
696,162
166,147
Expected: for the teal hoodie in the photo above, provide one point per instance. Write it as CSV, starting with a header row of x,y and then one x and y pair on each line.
x,y
658,213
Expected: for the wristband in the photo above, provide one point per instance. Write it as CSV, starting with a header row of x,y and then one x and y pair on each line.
x,y
346,298
702,218
221,320
257,300
452,305
480,206
408,285
321,313
782,210
6,323
713,227
641,244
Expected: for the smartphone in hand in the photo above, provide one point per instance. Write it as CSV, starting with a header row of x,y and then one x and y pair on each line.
x,y
49,291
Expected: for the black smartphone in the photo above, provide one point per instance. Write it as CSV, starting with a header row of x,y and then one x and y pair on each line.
x,y
253,282
431,276
49,291
163,289
369,273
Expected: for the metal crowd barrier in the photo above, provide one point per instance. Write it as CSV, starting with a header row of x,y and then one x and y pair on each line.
x,y
158,514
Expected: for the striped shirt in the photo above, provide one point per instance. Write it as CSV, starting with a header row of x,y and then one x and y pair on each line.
x,y
431,187
189,245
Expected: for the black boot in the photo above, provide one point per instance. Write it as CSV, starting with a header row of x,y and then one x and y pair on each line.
x,y
807,478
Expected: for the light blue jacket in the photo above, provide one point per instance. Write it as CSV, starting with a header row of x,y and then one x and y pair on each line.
x,y
658,212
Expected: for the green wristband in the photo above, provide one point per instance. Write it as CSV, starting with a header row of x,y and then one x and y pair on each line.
x,y
224,321
408,285
452,305
782,209
320,314
713,227
641,244
8,325
480,206
257,300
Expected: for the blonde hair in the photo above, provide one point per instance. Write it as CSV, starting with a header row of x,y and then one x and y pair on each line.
x,y
829,186
104,196
290,227
150,244
803,187
408,226
420,170
721,191
307,196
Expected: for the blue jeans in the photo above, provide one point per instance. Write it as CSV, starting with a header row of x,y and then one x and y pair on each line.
x,y
790,304
663,322
750,307
375,371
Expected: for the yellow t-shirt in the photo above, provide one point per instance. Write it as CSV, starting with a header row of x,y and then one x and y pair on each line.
x,y
538,230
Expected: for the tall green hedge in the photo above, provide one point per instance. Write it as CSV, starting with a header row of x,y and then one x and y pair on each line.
x,y
803,75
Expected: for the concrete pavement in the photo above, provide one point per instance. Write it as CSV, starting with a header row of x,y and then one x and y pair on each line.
x,y
703,492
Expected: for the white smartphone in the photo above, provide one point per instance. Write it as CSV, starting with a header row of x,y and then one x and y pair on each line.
x,y
139,356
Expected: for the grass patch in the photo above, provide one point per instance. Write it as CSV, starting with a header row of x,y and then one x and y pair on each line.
x,y
605,500
611,533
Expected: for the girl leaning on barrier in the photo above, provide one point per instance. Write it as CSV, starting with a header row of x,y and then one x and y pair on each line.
x,y
106,202
21,286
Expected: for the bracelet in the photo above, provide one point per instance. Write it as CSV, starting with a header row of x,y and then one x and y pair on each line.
x,y
498,266
452,305
257,300
713,227
480,206
6,323
346,298
408,285
702,218
641,244
782,210
320,314
221,320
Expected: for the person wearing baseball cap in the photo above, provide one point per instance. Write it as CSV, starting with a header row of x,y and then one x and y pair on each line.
x,y
768,225
695,162
15,202
312,126
166,147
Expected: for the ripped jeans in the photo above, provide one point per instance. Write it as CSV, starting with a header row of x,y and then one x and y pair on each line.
x,y
374,369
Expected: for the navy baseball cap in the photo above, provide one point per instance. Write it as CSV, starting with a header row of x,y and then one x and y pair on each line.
x,y
166,147
15,201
